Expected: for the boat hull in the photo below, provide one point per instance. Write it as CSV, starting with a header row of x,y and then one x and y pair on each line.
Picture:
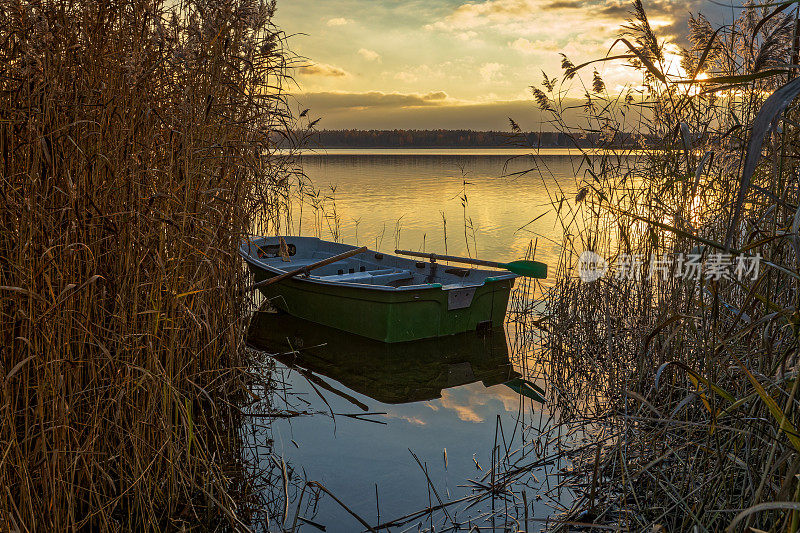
x,y
375,295
388,316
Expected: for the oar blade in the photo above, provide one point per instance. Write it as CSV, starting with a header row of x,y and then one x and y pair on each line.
x,y
526,388
530,269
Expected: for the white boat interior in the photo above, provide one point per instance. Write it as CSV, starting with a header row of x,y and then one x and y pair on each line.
x,y
282,254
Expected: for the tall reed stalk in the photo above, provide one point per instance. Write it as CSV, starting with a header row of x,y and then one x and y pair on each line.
x,y
135,153
697,375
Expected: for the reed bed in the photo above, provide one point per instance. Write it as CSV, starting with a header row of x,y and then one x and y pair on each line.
x,y
135,153
689,378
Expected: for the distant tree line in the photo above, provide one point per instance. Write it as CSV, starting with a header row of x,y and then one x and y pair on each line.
x,y
455,139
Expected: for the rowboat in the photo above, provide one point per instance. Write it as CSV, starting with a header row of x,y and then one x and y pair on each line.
x,y
376,295
389,373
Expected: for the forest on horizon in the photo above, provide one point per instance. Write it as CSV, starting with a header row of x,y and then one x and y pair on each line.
x,y
440,138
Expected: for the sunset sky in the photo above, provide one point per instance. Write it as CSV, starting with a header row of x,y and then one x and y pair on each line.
x,y
453,64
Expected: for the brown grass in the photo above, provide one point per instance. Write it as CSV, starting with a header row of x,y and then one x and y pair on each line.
x,y
695,379
135,153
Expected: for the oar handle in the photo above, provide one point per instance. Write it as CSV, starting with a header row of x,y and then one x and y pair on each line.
x,y
308,268
452,258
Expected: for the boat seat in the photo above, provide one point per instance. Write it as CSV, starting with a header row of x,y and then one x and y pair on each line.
x,y
293,265
385,279
371,277
289,265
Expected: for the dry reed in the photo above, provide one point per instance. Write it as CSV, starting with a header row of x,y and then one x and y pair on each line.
x,y
693,378
135,153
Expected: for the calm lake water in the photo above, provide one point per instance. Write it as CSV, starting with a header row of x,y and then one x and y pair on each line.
x,y
443,401
488,203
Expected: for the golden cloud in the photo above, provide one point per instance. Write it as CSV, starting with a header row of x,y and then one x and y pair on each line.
x,y
464,410
323,69
339,21
374,99
531,47
369,55
513,16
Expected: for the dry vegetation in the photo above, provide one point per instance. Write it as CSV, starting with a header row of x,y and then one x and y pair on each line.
x,y
135,153
697,377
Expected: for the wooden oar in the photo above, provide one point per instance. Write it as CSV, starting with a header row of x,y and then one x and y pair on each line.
x,y
531,269
305,269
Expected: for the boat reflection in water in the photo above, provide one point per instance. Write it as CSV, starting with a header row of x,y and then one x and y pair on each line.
x,y
389,373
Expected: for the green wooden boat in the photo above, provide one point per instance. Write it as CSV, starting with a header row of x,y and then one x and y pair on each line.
x,y
376,295
388,373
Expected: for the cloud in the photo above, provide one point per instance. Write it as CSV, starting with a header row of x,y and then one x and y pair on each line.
x,y
491,71
323,69
337,101
468,35
561,17
473,15
339,21
414,420
564,4
531,47
612,9
442,72
534,26
406,77
464,408
571,23
576,49
369,55
475,403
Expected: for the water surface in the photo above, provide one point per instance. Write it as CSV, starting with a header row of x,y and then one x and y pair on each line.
x,y
447,401
488,203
